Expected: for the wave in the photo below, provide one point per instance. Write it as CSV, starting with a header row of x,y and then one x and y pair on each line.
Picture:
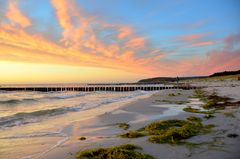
x,y
32,135
36,116
25,100
68,96
17,101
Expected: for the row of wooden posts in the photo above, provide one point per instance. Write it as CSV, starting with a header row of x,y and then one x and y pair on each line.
x,y
96,88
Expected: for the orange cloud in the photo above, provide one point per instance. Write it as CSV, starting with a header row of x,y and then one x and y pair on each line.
x,y
17,45
15,15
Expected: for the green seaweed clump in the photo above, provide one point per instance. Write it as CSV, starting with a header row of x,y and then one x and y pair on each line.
x,y
218,102
124,126
198,93
132,134
210,103
158,127
172,102
126,151
209,116
173,131
194,119
175,135
171,95
194,110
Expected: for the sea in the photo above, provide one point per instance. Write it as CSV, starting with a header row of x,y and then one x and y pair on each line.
x,y
32,123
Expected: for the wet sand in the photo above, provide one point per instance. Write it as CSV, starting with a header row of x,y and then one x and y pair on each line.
x,y
101,130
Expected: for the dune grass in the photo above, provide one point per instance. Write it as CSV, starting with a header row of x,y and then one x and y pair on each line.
x,y
126,151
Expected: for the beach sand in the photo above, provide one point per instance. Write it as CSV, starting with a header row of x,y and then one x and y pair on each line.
x,y
101,130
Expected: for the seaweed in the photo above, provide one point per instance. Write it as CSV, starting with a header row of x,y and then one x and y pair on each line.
x,y
132,134
126,151
174,135
124,126
172,101
209,116
171,95
194,110
194,119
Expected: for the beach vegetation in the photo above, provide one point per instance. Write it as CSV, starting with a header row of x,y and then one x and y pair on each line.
x,y
214,101
132,134
171,95
175,131
124,126
172,101
209,116
198,93
174,135
126,151
194,119
195,110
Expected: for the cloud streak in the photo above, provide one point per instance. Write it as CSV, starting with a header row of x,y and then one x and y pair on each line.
x,y
15,15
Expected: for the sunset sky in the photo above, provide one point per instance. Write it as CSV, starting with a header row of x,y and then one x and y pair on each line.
x,y
64,41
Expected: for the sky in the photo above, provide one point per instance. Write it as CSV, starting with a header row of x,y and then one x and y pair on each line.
x,y
89,41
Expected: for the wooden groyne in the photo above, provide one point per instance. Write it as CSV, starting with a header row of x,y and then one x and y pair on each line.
x,y
91,88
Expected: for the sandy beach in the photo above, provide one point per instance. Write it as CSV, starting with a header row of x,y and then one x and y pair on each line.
x,y
101,130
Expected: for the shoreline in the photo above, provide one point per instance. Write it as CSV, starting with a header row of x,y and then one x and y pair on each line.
x,y
99,126
86,115
100,131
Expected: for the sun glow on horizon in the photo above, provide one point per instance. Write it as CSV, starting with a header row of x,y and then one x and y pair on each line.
x,y
31,73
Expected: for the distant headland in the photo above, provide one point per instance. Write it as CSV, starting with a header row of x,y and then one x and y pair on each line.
x,y
173,79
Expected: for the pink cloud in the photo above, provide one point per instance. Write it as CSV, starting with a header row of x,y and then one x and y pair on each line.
x,y
225,58
124,32
191,37
135,42
203,43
